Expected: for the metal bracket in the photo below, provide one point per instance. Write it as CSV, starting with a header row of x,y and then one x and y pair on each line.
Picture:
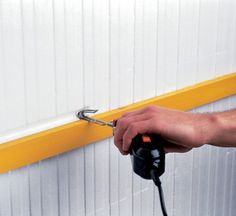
x,y
82,115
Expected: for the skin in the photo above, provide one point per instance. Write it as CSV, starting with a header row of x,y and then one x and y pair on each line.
x,y
182,130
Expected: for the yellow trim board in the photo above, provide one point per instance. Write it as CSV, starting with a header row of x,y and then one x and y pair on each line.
x,y
27,150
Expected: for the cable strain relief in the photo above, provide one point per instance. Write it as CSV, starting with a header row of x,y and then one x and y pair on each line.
x,y
155,177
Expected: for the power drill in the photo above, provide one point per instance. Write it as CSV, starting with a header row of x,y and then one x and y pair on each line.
x,y
148,160
146,152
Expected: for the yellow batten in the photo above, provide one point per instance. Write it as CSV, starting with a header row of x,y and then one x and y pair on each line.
x,y
27,150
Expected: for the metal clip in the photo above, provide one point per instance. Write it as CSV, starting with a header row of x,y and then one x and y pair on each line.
x,y
82,115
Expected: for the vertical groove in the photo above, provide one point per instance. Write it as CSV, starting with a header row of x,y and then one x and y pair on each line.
x,y
156,83
25,94
153,201
178,45
58,185
56,98
195,81
54,57
214,71
143,20
119,42
68,180
157,41
133,93
119,101
67,90
29,191
231,192
173,202
217,37
29,186
3,59
192,169
234,42
23,60
198,40
82,38
109,176
93,103
232,177
84,161
37,83
41,191
83,72
10,191
36,55
109,103
66,53
2,64
225,182
134,59
119,185
176,73
142,96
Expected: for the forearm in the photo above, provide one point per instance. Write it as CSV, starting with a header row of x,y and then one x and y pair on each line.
x,y
182,130
222,129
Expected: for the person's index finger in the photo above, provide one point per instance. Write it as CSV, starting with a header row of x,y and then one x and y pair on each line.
x,y
140,127
124,123
135,112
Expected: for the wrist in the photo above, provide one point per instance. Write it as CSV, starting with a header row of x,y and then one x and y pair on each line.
x,y
209,128
218,127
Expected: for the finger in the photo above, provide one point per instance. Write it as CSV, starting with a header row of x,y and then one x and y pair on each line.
x,y
139,111
134,129
123,152
170,148
132,113
123,123
122,126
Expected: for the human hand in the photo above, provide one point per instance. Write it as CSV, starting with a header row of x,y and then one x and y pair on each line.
x,y
182,130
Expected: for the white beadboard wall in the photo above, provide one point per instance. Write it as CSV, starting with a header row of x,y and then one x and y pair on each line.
x,y
57,56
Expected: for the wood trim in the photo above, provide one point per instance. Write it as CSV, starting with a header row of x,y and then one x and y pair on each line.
x,y
36,147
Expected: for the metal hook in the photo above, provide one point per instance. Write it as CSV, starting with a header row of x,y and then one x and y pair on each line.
x,y
82,115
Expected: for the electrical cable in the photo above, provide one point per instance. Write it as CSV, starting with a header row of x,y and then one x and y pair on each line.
x,y
157,182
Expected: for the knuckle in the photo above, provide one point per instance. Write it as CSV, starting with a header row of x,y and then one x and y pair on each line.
x,y
125,114
151,108
122,122
127,142
117,141
154,108
133,128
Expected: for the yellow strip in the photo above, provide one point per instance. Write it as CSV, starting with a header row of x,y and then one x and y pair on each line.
x,y
54,141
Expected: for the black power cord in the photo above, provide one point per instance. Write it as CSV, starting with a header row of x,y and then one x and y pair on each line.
x,y
157,182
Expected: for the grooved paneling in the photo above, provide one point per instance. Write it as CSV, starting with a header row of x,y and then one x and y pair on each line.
x,y
57,56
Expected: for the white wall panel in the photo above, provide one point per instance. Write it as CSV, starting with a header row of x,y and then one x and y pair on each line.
x,y
5,198
145,42
59,56
126,77
35,189
2,78
61,53
30,62
89,77
12,63
44,45
77,183
114,97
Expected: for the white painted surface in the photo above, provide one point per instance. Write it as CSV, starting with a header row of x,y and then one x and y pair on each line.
x,y
59,56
